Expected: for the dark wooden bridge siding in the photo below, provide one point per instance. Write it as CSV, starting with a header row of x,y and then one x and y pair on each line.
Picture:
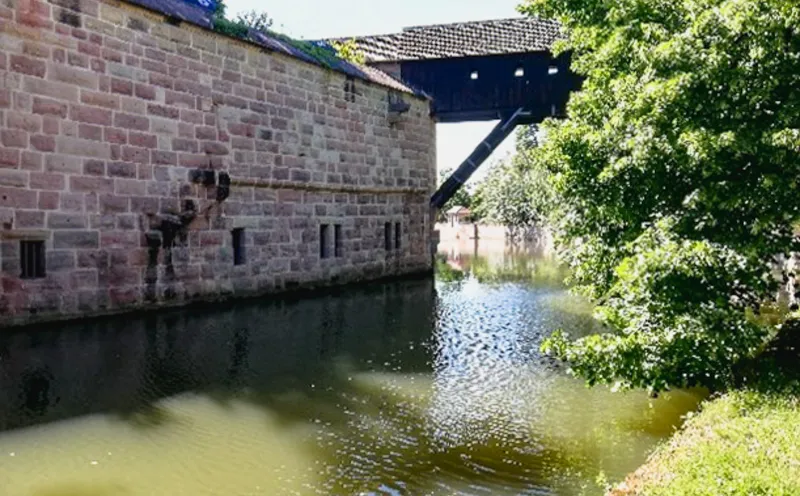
x,y
498,91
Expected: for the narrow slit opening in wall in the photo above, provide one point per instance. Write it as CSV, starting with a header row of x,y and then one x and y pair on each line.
x,y
324,234
337,240
32,259
398,236
387,236
350,89
238,246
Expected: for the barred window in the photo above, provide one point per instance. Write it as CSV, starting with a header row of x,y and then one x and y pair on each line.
x,y
32,259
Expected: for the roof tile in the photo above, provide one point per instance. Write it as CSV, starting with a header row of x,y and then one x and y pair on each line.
x,y
494,37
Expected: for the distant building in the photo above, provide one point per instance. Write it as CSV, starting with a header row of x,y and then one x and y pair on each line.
x,y
458,215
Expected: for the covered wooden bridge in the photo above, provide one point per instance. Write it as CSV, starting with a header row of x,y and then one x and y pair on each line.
x,y
479,71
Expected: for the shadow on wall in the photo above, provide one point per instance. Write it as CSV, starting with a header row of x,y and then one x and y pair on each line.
x,y
125,365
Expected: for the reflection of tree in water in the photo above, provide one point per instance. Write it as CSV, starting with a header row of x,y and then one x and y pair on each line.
x,y
333,322
510,266
239,350
35,393
163,374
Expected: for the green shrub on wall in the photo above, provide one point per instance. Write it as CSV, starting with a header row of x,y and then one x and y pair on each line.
x,y
244,22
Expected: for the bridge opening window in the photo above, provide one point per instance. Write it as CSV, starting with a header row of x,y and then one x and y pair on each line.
x,y
519,72
32,259
238,246
474,75
398,236
337,240
324,237
387,236
552,70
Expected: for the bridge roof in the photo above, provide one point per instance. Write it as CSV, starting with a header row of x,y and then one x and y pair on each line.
x,y
463,39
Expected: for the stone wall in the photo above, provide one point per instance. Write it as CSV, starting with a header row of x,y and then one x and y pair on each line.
x,y
121,131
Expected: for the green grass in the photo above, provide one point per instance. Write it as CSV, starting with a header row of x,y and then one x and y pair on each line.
x,y
446,273
541,271
742,443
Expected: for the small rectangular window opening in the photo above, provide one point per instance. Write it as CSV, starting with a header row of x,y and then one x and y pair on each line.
x,y
350,89
387,236
337,240
238,246
32,259
398,236
474,75
324,236
552,70
520,72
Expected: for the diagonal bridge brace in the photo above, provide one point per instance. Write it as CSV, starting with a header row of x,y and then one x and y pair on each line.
x,y
476,159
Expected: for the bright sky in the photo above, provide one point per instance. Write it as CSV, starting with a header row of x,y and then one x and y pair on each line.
x,y
315,19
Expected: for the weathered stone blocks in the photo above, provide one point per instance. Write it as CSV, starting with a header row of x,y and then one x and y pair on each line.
x,y
106,113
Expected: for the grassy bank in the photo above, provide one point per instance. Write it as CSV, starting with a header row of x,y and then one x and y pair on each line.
x,y
742,443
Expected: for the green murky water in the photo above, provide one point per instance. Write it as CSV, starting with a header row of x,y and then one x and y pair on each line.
x,y
407,388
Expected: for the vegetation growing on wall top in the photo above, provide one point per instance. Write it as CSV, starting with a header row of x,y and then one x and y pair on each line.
x,y
244,22
349,51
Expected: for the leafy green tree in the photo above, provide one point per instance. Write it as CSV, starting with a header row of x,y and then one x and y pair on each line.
x,y
462,198
515,193
349,51
505,197
259,21
243,22
676,178
527,138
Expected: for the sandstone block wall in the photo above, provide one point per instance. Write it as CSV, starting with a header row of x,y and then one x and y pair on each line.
x,y
158,164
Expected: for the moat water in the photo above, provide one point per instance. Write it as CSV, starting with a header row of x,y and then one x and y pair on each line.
x,y
407,388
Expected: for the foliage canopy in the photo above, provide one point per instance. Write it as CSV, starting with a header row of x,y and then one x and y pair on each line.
x,y
462,197
515,193
675,180
260,21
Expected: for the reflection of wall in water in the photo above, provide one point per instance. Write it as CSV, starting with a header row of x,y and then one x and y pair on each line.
x,y
122,365
497,252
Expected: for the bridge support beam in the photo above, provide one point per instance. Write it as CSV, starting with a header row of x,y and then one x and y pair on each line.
x,y
476,159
